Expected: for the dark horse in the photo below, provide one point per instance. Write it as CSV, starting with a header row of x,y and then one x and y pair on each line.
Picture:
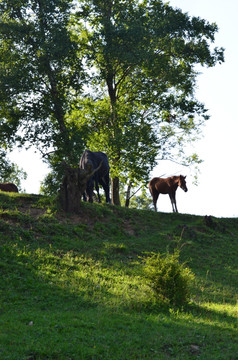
x,y
8,187
99,160
167,186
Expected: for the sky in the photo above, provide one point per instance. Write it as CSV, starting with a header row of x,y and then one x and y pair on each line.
x,y
216,193
217,88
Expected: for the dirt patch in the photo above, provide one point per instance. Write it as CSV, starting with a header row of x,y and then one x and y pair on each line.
x,y
32,211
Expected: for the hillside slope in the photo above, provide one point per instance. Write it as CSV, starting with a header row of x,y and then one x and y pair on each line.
x,y
72,286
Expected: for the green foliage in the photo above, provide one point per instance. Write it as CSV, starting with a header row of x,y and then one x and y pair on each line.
x,y
40,71
51,184
10,172
169,278
111,75
138,151
141,201
144,56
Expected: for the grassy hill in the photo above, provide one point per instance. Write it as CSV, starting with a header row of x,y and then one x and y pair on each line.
x,y
72,287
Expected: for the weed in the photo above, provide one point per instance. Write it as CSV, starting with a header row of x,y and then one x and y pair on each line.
x,y
169,278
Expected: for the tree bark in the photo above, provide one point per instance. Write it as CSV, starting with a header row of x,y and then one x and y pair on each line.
x,y
115,191
70,192
128,195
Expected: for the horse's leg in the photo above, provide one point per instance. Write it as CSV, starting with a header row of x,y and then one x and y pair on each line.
x,y
90,196
97,189
155,198
173,201
84,196
175,204
105,184
155,201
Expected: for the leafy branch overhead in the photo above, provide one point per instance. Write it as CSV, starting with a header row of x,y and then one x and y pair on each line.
x,y
110,75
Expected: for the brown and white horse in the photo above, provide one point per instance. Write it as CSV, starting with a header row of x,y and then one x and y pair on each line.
x,y
167,186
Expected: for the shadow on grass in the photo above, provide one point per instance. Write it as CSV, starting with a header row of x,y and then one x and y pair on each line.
x,y
44,316
60,295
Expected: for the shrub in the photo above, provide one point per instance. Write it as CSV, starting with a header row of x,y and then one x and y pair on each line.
x,y
169,279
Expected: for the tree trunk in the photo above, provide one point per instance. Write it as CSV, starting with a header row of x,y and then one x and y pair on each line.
x,y
70,197
112,91
128,195
115,191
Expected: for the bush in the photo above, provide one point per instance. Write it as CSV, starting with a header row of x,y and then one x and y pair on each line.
x,y
169,279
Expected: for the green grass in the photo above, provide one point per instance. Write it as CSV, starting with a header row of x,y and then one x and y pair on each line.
x,y
72,287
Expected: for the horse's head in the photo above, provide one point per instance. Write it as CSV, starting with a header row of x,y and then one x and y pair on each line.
x,y
182,183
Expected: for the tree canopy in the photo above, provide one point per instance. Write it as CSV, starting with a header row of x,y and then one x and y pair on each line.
x,y
116,76
40,70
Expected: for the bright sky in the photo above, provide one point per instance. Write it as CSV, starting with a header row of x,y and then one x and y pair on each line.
x,y
216,193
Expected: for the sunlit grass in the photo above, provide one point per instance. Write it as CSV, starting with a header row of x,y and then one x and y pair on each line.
x,y
73,289
222,309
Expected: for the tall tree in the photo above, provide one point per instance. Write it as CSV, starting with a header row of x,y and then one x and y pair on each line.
x,y
41,74
139,59
143,57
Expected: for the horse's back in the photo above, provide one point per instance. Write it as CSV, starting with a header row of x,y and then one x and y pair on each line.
x,y
159,185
